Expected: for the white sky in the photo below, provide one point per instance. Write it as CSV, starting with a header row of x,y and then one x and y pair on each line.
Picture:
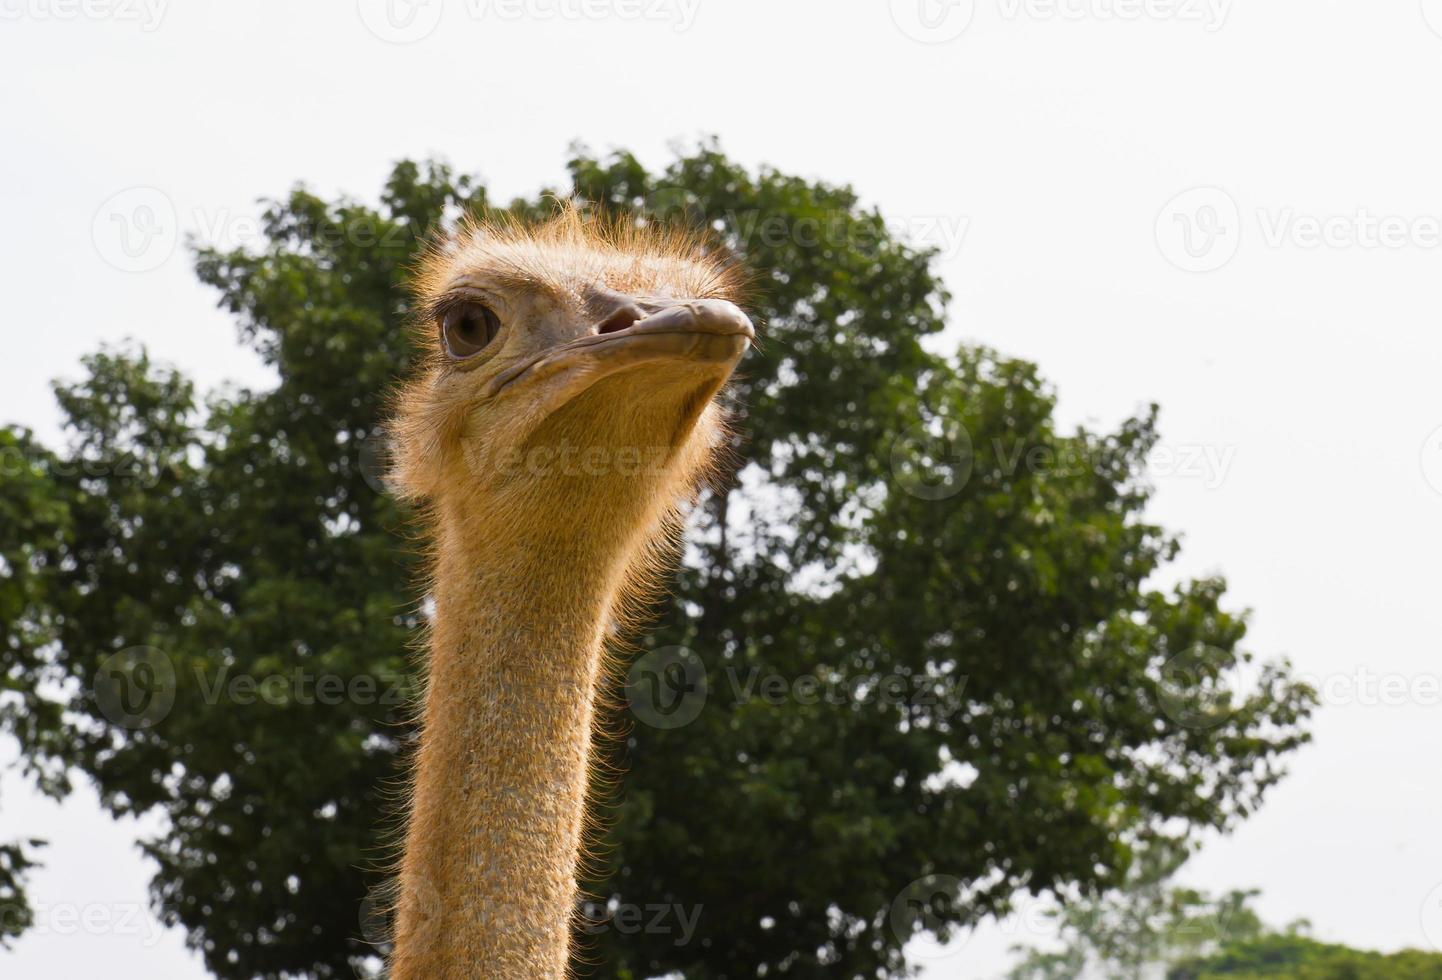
x,y
1308,371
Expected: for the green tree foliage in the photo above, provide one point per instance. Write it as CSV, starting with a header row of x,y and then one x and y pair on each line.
x,y
1125,933
34,523
935,672
1296,957
1150,926
15,913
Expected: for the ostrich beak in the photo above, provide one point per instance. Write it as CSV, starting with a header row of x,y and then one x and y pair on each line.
x,y
706,336
710,330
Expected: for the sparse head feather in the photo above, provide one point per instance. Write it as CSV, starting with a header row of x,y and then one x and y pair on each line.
x,y
545,272
575,249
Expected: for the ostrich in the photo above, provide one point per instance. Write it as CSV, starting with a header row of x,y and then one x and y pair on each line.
x,y
567,412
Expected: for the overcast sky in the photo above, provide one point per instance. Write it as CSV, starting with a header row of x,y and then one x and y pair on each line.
x,y
1233,209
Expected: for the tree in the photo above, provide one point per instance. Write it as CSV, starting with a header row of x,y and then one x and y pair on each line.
x,y
1294,956
1127,933
33,524
912,664
1152,927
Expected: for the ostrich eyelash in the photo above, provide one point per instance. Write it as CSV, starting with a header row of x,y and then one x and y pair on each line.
x,y
439,307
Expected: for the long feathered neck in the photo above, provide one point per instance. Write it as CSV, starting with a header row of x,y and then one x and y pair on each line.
x,y
522,609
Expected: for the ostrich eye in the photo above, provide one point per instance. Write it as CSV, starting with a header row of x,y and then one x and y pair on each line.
x,y
467,329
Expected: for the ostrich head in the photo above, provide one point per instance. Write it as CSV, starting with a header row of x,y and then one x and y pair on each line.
x,y
572,366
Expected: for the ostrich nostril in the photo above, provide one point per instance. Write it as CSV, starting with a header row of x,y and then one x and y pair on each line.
x,y
620,318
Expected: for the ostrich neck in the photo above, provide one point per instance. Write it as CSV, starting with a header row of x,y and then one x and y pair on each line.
x,y
487,883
